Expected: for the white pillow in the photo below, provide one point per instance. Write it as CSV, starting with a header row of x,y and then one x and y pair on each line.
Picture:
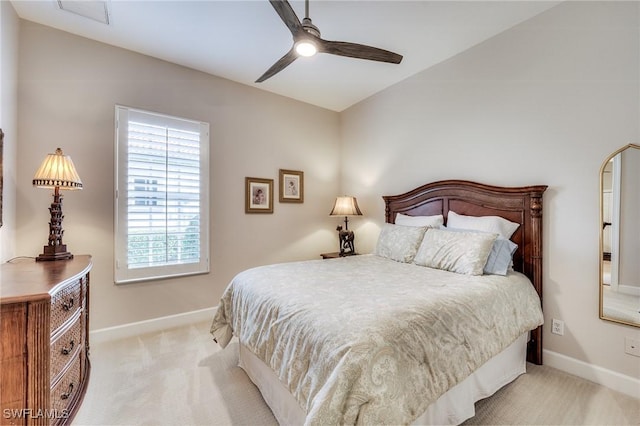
x,y
460,252
432,221
398,242
492,224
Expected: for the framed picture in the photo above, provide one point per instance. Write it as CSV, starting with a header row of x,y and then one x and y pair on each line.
x,y
291,186
258,195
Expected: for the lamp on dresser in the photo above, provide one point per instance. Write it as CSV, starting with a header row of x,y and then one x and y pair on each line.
x,y
346,206
56,172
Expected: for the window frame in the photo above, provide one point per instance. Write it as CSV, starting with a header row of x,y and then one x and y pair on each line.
x,y
122,273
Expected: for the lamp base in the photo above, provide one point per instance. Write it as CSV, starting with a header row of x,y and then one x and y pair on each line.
x,y
346,238
55,250
58,252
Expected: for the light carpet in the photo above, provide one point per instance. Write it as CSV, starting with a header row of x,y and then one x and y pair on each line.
x,y
181,377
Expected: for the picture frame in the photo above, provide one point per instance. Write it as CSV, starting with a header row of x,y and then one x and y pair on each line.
x,y
258,195
291,183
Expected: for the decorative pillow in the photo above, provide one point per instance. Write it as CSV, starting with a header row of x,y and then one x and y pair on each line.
x,y
492,224
398,242
460,252
432,221
501,257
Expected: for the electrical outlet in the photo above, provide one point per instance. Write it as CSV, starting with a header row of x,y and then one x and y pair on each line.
x,y
632,346
557,327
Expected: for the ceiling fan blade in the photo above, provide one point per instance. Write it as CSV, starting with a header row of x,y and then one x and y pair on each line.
x,y
360,51
288,16
279,66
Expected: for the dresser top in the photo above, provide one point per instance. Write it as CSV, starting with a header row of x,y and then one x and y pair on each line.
x,y
25,279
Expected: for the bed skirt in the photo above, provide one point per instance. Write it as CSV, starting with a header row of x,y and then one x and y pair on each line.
x,y
452,408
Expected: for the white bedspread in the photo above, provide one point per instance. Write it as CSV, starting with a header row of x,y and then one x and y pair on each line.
x,y
364,339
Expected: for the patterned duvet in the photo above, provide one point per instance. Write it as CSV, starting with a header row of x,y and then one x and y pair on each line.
x,y
366,340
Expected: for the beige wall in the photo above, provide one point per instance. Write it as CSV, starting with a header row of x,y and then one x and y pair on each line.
x,y
9,27
543,103
67,92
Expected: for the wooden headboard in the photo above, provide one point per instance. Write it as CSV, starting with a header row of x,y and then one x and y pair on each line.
x,y
522,205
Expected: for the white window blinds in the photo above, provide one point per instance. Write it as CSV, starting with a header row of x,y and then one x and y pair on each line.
x,y
162,206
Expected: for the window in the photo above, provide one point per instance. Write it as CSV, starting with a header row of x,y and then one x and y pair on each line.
x,y
162,203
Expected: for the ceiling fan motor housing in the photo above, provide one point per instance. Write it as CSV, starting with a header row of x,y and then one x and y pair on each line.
x,y
308,26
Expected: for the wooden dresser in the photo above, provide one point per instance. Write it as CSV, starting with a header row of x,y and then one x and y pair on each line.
x,y
44,340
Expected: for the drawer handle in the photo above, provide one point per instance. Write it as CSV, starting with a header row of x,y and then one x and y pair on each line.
x,y
67,306
66,351
67,394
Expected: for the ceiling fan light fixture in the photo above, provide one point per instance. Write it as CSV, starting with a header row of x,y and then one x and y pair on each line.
x,y
306,48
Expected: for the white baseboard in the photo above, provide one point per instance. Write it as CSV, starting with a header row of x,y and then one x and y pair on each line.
x,y
150,326
611,379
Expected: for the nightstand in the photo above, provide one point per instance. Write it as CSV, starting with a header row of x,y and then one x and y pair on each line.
x,y
335,255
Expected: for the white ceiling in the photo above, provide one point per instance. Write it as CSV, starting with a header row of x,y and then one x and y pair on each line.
x,y
239,40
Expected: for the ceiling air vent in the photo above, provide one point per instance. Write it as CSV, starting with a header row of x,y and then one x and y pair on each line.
x,y
97,10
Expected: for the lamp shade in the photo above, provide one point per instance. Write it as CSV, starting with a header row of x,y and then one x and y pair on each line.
x,y
57,170
346,206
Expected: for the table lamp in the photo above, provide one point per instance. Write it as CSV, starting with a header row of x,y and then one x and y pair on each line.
x,y
346,206
56,172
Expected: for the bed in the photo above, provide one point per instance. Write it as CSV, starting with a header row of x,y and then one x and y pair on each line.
x,y
382,339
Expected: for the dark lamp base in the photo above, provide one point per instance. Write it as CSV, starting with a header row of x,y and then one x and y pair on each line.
x,y
58,252
346,238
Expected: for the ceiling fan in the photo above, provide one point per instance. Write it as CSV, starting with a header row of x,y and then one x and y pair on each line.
x,y
307,42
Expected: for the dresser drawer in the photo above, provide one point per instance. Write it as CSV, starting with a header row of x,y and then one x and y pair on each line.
x,y
65,303
65,392
66,347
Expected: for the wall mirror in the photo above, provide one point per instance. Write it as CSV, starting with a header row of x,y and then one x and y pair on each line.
x,y
620,236
1,148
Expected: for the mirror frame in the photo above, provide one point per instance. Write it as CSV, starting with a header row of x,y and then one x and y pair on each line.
x,y
601,245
